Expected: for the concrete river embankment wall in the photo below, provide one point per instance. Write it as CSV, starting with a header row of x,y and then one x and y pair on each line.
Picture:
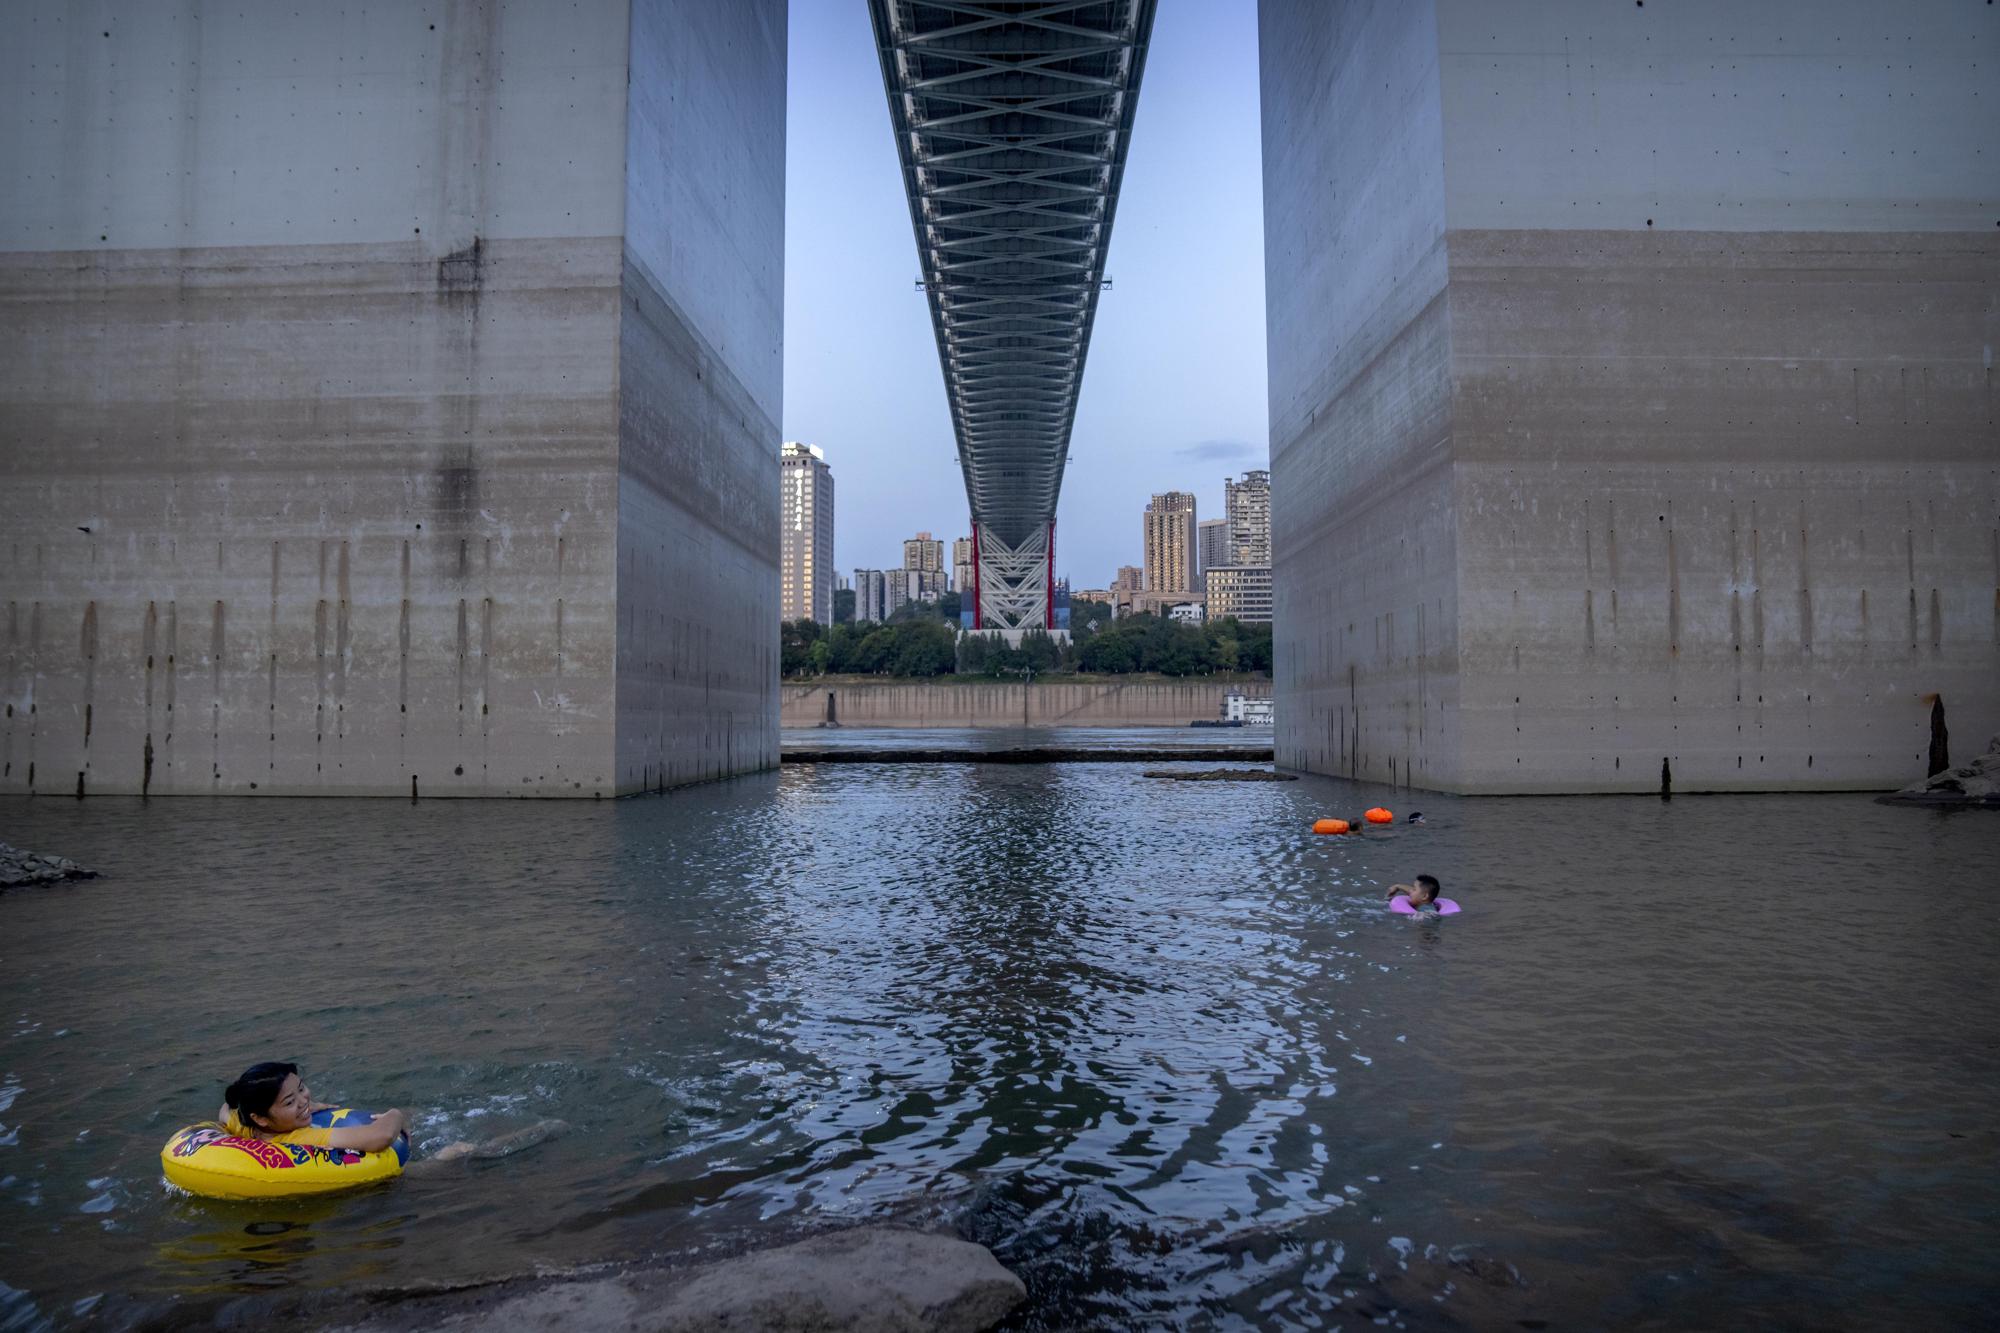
x,y
917,703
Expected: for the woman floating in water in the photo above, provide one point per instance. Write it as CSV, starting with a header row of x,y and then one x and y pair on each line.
x,y
271,1140
272,1102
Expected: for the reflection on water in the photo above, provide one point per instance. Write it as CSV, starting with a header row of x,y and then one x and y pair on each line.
x,y
1719,1062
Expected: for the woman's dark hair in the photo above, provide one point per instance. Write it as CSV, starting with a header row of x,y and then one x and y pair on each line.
x,y
1430,881
260,1085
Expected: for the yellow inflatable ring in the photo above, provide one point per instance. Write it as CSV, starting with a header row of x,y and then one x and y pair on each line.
x,y
208,1160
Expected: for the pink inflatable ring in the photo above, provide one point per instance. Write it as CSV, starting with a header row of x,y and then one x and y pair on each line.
x,y
1445,906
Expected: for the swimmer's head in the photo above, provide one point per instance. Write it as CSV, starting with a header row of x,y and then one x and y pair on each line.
x,y
1416,817
272,1097
1427,889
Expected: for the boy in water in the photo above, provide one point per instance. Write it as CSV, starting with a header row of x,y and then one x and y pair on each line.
x,y
1423,894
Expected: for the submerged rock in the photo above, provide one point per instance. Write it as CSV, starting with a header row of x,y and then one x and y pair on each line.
x,y
18,868
1976,783
1223,775
521,1139
868,1278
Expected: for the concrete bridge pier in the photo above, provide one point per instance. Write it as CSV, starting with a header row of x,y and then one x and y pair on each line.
x,y
1632,390
389,396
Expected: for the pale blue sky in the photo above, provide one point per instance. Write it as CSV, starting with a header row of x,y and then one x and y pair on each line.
x,y
1174,394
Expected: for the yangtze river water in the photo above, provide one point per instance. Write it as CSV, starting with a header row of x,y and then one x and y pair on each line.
x,y
1727,1061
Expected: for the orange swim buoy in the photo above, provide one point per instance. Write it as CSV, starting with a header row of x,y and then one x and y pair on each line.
x,y
1330,826
1379,816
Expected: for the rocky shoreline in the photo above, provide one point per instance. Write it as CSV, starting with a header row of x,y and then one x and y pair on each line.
x,y
1973,784
868,1278
20,868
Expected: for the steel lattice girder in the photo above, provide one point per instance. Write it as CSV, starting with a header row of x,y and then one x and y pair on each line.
x,y
1012,588
1012,119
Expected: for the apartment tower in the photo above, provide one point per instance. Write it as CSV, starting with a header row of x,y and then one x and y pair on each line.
x,y
923,564
805,564
1170,543
1247,504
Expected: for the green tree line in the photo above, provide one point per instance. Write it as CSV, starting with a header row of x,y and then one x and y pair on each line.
x,y
1172,648
925,646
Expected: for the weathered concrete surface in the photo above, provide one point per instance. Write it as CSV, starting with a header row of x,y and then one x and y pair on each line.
x,y
1655,417
701,391
1736,511
907,703
260,538
330,443
1363,520
870,1278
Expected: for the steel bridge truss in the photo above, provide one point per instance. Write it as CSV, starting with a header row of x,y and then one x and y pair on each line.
x,y
1012,119
1013,587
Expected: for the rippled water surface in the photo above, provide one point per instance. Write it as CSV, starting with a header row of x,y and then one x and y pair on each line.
x,y
1010,738
1721,1062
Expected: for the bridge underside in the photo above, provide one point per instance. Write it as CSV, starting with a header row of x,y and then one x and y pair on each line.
x,y
1012,121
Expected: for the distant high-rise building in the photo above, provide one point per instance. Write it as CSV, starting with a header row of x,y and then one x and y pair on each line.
x,y
1247,504
1170,548
1211,543
805,559
1243,591
1131,578
923,553
871,595
840,583
923,577
961,566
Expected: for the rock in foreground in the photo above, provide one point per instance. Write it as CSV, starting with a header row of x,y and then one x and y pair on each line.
x,y
18,868
1976,783
870,1278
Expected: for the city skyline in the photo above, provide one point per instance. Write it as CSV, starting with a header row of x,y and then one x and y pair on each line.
x,y
1236,544
1242,502
884,541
